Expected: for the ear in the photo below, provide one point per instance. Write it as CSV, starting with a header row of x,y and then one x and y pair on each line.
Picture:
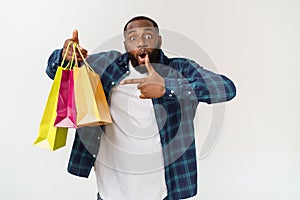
x,y
125,45
159,41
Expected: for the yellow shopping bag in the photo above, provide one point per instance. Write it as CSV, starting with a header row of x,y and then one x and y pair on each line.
x,y
91,103
49,136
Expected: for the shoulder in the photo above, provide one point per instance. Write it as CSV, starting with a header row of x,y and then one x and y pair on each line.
x,y
183,63
178,60
104,59
104,56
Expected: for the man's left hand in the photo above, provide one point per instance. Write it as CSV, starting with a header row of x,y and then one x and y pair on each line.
x,y
152,86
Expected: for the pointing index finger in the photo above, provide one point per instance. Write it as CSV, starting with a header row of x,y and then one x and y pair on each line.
x,y
132,81
148,64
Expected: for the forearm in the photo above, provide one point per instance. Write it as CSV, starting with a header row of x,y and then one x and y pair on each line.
x,y
219,89
196,83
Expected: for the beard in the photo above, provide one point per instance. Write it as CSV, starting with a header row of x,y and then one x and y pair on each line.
x,y
153,58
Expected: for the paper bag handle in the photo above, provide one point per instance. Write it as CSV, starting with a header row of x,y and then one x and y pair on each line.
x,y
69,65
85,62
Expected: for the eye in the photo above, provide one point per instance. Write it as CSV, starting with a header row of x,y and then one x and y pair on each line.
x,y
132,39
148,36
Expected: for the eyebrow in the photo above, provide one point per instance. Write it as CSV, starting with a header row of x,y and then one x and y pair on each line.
x,y
146,29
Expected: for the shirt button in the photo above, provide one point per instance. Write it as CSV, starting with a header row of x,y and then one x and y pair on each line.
x,y
127,72
189,92
170,95
98,138
172,91
112,83
53,64
94,156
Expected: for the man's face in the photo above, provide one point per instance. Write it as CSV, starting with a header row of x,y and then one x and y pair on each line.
x,y
141,38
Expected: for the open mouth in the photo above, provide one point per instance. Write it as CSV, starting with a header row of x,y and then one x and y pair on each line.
x,y
142,57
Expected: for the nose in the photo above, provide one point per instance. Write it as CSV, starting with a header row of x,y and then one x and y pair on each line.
x,y
141,42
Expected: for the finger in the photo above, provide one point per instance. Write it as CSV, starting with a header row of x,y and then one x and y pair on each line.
x,y
131,81
67,54
67,42
148,64
143,96
83,51
75,36
140,86
79,58
69,57
70,53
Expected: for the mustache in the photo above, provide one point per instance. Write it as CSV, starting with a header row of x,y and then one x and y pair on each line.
x,y
153,56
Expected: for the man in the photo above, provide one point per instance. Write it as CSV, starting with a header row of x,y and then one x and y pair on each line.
x,y
148,152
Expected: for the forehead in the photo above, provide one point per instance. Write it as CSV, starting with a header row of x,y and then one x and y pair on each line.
x,y
139,25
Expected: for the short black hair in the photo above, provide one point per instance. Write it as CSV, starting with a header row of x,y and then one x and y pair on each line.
x,y
141,18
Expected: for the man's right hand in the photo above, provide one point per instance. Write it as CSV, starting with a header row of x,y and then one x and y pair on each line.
x,y
70,50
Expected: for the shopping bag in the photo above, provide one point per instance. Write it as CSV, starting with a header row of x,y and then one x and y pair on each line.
x,y
100,97
91,103
50,137
66,107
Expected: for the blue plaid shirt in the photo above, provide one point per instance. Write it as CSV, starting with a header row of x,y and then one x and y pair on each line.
x,y
186,84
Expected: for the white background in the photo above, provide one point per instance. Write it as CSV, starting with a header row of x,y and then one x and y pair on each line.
x,y
255,43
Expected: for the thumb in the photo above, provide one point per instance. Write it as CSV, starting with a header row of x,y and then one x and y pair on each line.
x,y
148,64
75,36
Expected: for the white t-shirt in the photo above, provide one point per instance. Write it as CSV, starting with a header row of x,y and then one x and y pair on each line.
x,y
129,164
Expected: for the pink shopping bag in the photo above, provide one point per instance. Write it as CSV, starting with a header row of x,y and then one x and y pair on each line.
x,y
66,107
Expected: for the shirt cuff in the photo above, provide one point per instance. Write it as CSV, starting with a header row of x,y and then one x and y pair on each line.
x,y
53,62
